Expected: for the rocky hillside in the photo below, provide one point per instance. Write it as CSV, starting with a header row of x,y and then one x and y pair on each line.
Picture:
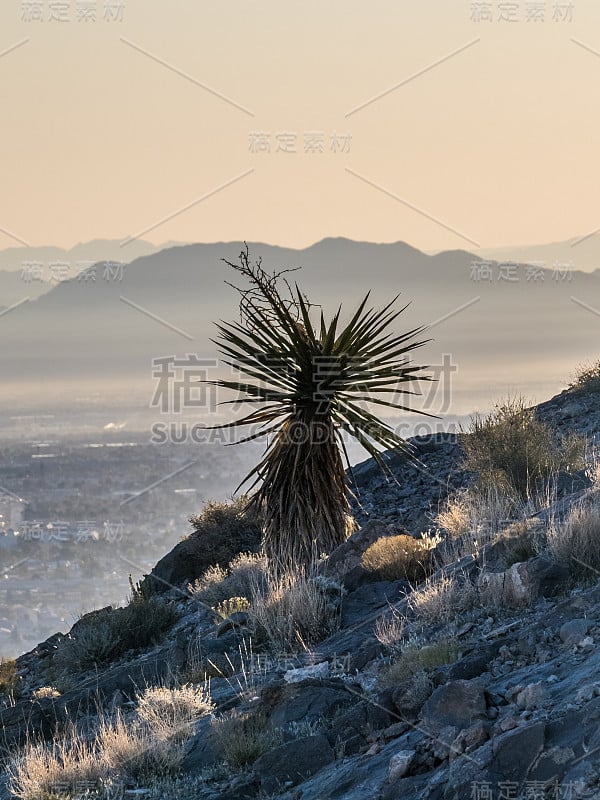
x,y
481,682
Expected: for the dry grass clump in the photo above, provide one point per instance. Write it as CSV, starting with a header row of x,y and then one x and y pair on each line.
x,y
245,574
527,539
442,599
45,692
8,677
234,605
514,451
396,557
472,518
416,658
389,631
133,750
576,541
586,377
41,771
294,611
593,473
243,737
171,712
150,742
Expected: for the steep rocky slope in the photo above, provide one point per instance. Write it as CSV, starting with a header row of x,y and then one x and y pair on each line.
x,y
504,700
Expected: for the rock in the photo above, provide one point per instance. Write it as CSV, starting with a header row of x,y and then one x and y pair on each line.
x,y
515,752
441,743
28,719
522,584
508,723
292,762
238,619
532,696
407,702
573,631
587,692
192,556
302,673
370,597
470,739
308,701
457,703
202,750
395,730
400,764
469,667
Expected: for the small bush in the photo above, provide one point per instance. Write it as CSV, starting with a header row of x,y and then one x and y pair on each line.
x,y
472,519
45,692
513,450
38,770
222,531
107,634
132,749
389,631
586,378
293,612
457,516
171,713
442,599
245,574
243,737
576,541
396,557
416,658
232,606
8,677
526,542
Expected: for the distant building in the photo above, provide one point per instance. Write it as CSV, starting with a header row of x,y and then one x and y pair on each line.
x,y
12,508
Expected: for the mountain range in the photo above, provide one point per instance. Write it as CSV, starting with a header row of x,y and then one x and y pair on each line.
x,y
498,323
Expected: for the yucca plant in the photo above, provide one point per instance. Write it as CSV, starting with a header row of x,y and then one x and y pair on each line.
x,y
311,384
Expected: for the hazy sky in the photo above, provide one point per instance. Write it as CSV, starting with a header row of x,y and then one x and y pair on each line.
x,y
496,138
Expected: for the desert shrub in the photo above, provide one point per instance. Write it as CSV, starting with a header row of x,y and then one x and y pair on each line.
x,y
132,749
389,631
243,737
472,518
294,611
231,606
171,712
593,473
456,518
416,658
586,377
246,573
442,599
527,541
395,557
45,692
144,621
576,541
143,747
35,772
8,677
208,588
514,451
223,530
105,635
